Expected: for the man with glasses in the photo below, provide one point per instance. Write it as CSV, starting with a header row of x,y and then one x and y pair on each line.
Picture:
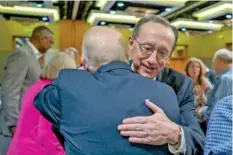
x,y
151,46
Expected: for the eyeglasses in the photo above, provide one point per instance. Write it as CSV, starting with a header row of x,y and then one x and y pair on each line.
x,y
147,50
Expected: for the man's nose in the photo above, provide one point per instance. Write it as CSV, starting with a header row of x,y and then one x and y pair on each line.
x,y
152,59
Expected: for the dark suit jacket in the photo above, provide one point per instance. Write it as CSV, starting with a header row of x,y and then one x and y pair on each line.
x,y
183,86
211,76
86,108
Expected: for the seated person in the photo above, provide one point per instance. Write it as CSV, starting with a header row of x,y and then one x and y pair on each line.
x,y
87,107
33,134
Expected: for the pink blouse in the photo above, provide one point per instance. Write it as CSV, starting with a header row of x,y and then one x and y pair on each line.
x,y
33,135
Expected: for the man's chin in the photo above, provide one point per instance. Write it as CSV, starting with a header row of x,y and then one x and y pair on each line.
x,y
148,75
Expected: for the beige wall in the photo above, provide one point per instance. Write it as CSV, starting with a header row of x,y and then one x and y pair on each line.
x,y
206,45
8,29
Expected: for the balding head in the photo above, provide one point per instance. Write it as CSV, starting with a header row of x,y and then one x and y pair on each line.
x,y
222,60
102,45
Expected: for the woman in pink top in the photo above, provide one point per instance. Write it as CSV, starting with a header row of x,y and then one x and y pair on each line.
x,y
33,135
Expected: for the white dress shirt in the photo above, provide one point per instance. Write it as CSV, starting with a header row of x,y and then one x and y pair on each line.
x,y
35,50
172,149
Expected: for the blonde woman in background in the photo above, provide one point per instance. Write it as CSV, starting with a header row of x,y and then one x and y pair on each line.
x,y
196,70
33,134
72,52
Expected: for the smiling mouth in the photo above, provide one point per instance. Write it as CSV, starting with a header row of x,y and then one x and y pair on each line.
x,y
148,69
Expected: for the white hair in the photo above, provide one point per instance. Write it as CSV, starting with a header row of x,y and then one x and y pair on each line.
x,y
224,54
97,52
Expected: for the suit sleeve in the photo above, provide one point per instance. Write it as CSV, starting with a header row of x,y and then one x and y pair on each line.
x,y
222,89
16,69
48,103
194,138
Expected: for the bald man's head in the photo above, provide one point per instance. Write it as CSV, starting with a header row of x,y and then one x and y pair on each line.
x,y
103,45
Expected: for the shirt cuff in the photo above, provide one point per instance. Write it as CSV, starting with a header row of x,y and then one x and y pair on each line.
x,y
182,148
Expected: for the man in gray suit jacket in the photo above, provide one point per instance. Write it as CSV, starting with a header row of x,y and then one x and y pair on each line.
x,y
22,69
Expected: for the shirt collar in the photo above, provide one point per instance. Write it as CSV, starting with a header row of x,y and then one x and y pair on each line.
x,y
133,69
35,50
226,70
114,65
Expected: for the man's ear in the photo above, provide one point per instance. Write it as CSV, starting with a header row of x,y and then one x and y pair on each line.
x,y
84,64
130,45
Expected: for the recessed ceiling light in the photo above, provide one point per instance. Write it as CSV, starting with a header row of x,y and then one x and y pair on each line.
x,y
44,18
112,12
131,29
102,23
183,29
120,4
182,23
39,5
168,9
228,16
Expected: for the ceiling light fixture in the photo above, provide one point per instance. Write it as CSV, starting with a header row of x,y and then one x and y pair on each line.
x,y
121,18
31,11
102,23
101,3
196,25
44,18
213,11
120,4
228,16
39,5
168,9
183,29
112,12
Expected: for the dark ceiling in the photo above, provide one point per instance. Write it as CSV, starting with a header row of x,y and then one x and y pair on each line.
x,y
83,9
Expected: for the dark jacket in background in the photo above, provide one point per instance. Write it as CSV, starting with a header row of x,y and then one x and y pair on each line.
x,y
86,108
211,76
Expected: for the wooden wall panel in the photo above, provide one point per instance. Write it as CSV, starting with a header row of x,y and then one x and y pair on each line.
x,y
80,28
178,64
66,37
71,35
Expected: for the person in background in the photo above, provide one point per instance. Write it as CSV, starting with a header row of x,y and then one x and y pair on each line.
x,y
151,46
72,52
196,70
22,69
219,134
33,135
222,64
210,74
82,105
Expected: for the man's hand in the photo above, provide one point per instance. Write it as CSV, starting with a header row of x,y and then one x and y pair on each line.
x,y
12,129
153,130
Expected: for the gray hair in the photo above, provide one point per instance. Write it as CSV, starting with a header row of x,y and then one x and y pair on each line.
x,y
97,51
224,54
57,63
155,19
